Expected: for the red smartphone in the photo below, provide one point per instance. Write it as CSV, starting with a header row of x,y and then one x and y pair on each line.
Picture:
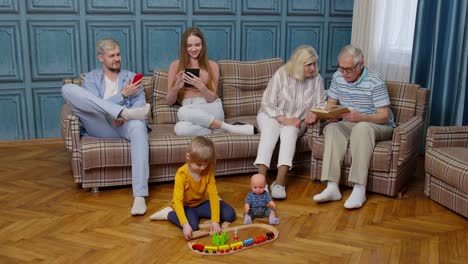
x,y
137,78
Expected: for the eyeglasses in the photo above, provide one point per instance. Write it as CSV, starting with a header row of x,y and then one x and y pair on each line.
x,y
349,70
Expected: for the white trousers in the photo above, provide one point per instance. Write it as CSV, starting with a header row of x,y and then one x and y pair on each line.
x,y
196,115
96,115
361,137
270,131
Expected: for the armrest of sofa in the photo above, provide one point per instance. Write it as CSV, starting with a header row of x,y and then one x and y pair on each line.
x,y
314,131
447,136
70,127
406,138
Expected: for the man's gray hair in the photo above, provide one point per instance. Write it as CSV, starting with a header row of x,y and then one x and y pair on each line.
x,y
352,51
106,44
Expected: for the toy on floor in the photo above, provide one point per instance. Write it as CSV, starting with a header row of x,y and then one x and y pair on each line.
x,y
267,234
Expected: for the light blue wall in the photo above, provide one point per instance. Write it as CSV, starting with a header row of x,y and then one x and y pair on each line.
x,y
44,41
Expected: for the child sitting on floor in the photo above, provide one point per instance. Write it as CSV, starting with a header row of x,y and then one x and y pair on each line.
x,y
258,202
193,181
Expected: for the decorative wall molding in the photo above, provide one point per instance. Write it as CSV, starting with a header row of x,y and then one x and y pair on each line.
x,y
339,35
52,6
110,6
220,38
164,6
46,103
161,40
260,40
55,50
219,7
9,6
306,7
261,7
13,115
11,62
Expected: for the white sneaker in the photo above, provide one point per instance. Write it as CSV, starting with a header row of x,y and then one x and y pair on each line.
x,y
278,191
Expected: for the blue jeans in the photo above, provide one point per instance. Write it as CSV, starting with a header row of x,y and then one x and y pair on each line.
x,y
194,214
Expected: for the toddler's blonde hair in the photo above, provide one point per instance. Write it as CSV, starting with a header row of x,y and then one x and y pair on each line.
x,y
202,149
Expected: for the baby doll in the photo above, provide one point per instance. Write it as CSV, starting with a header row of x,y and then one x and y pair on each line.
x,y
258,202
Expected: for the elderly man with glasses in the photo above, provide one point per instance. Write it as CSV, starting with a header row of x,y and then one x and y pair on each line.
x,y
370,120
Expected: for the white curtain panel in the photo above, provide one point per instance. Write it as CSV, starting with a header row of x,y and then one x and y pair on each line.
x,y
384,30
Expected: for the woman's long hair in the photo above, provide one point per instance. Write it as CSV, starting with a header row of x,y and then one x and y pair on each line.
x,y
203,62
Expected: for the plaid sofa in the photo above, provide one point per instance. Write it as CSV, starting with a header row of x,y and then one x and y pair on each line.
x,y
98,162
446,166
393,161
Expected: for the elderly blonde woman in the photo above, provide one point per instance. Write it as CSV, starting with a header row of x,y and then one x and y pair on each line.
x,y
294,89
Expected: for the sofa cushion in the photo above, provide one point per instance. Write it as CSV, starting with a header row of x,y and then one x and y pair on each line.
x,y
243,84
450,165
164,113
380,160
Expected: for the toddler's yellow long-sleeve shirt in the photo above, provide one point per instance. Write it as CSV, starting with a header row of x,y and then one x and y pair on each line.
x,y
188,192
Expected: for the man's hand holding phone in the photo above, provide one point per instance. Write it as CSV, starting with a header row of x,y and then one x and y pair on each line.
x,y
133,86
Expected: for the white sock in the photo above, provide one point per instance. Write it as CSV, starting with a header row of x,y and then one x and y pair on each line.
x,y
161,214
273,220
331,193
139,113
139,206
247,219
357,197
238,129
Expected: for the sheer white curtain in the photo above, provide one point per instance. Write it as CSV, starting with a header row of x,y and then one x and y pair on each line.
x,y
384,30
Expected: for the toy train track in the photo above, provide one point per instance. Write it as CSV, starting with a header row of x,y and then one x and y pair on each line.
x,y
269,235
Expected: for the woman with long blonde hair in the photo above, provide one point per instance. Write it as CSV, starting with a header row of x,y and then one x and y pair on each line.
x,y
202,111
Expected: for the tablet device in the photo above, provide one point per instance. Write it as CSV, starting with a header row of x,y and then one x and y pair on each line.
x,y
195,72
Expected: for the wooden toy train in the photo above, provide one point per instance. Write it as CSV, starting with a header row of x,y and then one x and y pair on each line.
x,y
236,246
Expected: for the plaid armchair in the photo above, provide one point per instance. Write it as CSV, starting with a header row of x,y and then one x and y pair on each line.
x,y
393,161
446,166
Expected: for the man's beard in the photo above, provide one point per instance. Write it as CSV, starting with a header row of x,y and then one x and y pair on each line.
x,y
114,69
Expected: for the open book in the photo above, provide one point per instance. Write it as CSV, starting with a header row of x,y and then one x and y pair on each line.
x,y
331,112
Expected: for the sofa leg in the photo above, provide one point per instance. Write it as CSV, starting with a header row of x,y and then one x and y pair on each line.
x,y
402,191
94,190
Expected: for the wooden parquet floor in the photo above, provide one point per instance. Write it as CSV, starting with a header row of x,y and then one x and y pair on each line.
x,y
46,218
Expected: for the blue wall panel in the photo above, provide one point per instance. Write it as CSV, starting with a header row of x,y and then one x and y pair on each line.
x,y
339,35
55,52
219,38
9,6
110,6
306,7
164,6
226,7
10,57
46,103
161,43
52,6
13,115
303,34
44,41
261,7
260,40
